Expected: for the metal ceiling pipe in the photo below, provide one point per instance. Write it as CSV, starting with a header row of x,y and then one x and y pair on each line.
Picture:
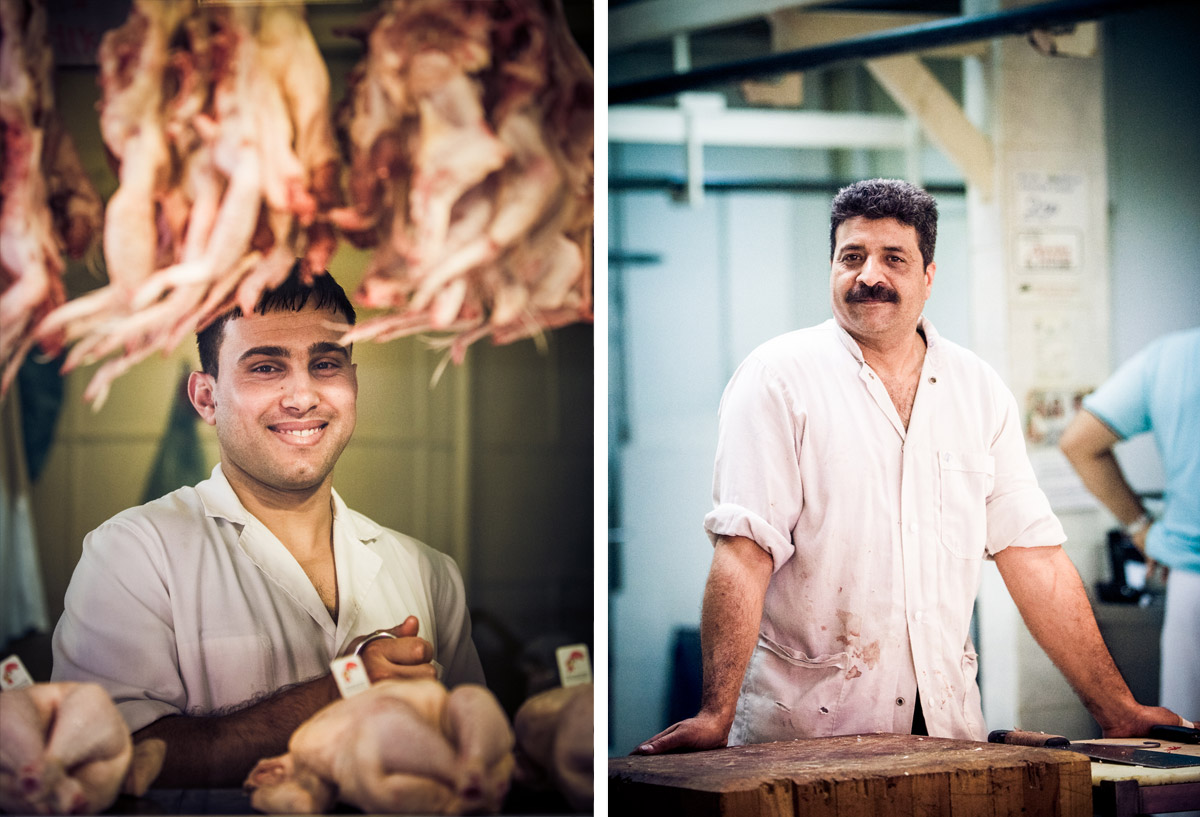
x,y
677,185
886,43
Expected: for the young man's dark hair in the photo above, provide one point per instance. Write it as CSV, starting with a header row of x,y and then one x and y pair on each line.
x,y
293,294
888,198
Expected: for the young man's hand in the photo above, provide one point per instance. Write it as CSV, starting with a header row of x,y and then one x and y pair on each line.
x,y
405,656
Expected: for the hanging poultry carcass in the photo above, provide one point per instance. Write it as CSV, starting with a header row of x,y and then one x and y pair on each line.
x,y
219,119
47,203
470,136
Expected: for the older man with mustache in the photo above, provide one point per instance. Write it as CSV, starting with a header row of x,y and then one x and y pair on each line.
x,y
865,469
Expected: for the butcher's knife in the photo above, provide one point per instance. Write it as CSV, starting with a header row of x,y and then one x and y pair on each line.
x,y
1104,752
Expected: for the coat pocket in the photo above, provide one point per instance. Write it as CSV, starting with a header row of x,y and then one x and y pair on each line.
x,y
965,482
972,707
231,670
788,694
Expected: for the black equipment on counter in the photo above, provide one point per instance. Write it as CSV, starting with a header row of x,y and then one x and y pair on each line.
x,y
1128,584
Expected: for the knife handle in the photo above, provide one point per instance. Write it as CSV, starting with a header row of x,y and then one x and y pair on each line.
x,y
1178,734
1021,737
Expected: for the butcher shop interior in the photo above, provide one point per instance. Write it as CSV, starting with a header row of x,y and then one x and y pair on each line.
x,y
165,160
731,127
168,161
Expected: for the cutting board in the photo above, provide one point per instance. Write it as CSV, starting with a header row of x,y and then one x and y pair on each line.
x,y
892,775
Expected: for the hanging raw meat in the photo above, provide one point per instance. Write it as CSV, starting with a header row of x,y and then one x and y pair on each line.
x,y
219,119
47,203
64,749
469,131
399,747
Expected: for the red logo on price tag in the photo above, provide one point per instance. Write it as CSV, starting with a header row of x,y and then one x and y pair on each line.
x,y
574,665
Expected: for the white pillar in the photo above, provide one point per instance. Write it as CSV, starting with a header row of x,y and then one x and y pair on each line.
x,y
1040,305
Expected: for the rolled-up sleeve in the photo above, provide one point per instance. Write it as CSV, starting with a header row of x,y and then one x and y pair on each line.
x,y
1121,401
116,629
1018,512
757,491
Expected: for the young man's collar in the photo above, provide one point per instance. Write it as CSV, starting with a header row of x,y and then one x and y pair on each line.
x,y
221,502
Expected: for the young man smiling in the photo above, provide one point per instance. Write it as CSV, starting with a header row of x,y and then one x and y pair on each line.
x,y
211,614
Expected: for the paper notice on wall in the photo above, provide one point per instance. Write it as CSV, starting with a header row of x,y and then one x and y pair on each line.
x,y
1048,412
1051,336
1050,251
1050,221
1046,200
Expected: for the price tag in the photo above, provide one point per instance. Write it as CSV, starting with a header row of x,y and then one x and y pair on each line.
x,y
13,674
350,675
574,665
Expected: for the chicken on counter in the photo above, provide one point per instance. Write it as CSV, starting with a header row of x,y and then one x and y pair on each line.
x,y
554,731
470,137
64,749
47,202
400,747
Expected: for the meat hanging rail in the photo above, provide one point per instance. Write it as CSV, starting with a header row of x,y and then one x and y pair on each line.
x,y
882,44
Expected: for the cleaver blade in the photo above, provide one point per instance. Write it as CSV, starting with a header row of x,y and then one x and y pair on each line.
x,y
1104,752
1133,756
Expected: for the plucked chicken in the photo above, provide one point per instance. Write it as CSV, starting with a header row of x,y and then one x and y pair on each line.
x,y
554,731
47,203
469,131
218,116
64,749
399,747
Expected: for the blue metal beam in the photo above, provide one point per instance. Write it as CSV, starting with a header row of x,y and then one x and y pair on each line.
x,y
882,44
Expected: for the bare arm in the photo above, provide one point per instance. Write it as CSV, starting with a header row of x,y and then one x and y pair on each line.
x,y
1088,445
1052,600
220,750
729,623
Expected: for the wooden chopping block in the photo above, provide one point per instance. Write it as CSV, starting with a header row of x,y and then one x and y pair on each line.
x,y
893,775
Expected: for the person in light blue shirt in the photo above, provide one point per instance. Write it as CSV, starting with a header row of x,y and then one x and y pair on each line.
x,y
1156,391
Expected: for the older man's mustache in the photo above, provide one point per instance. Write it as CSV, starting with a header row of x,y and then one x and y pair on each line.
x,y
878,292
